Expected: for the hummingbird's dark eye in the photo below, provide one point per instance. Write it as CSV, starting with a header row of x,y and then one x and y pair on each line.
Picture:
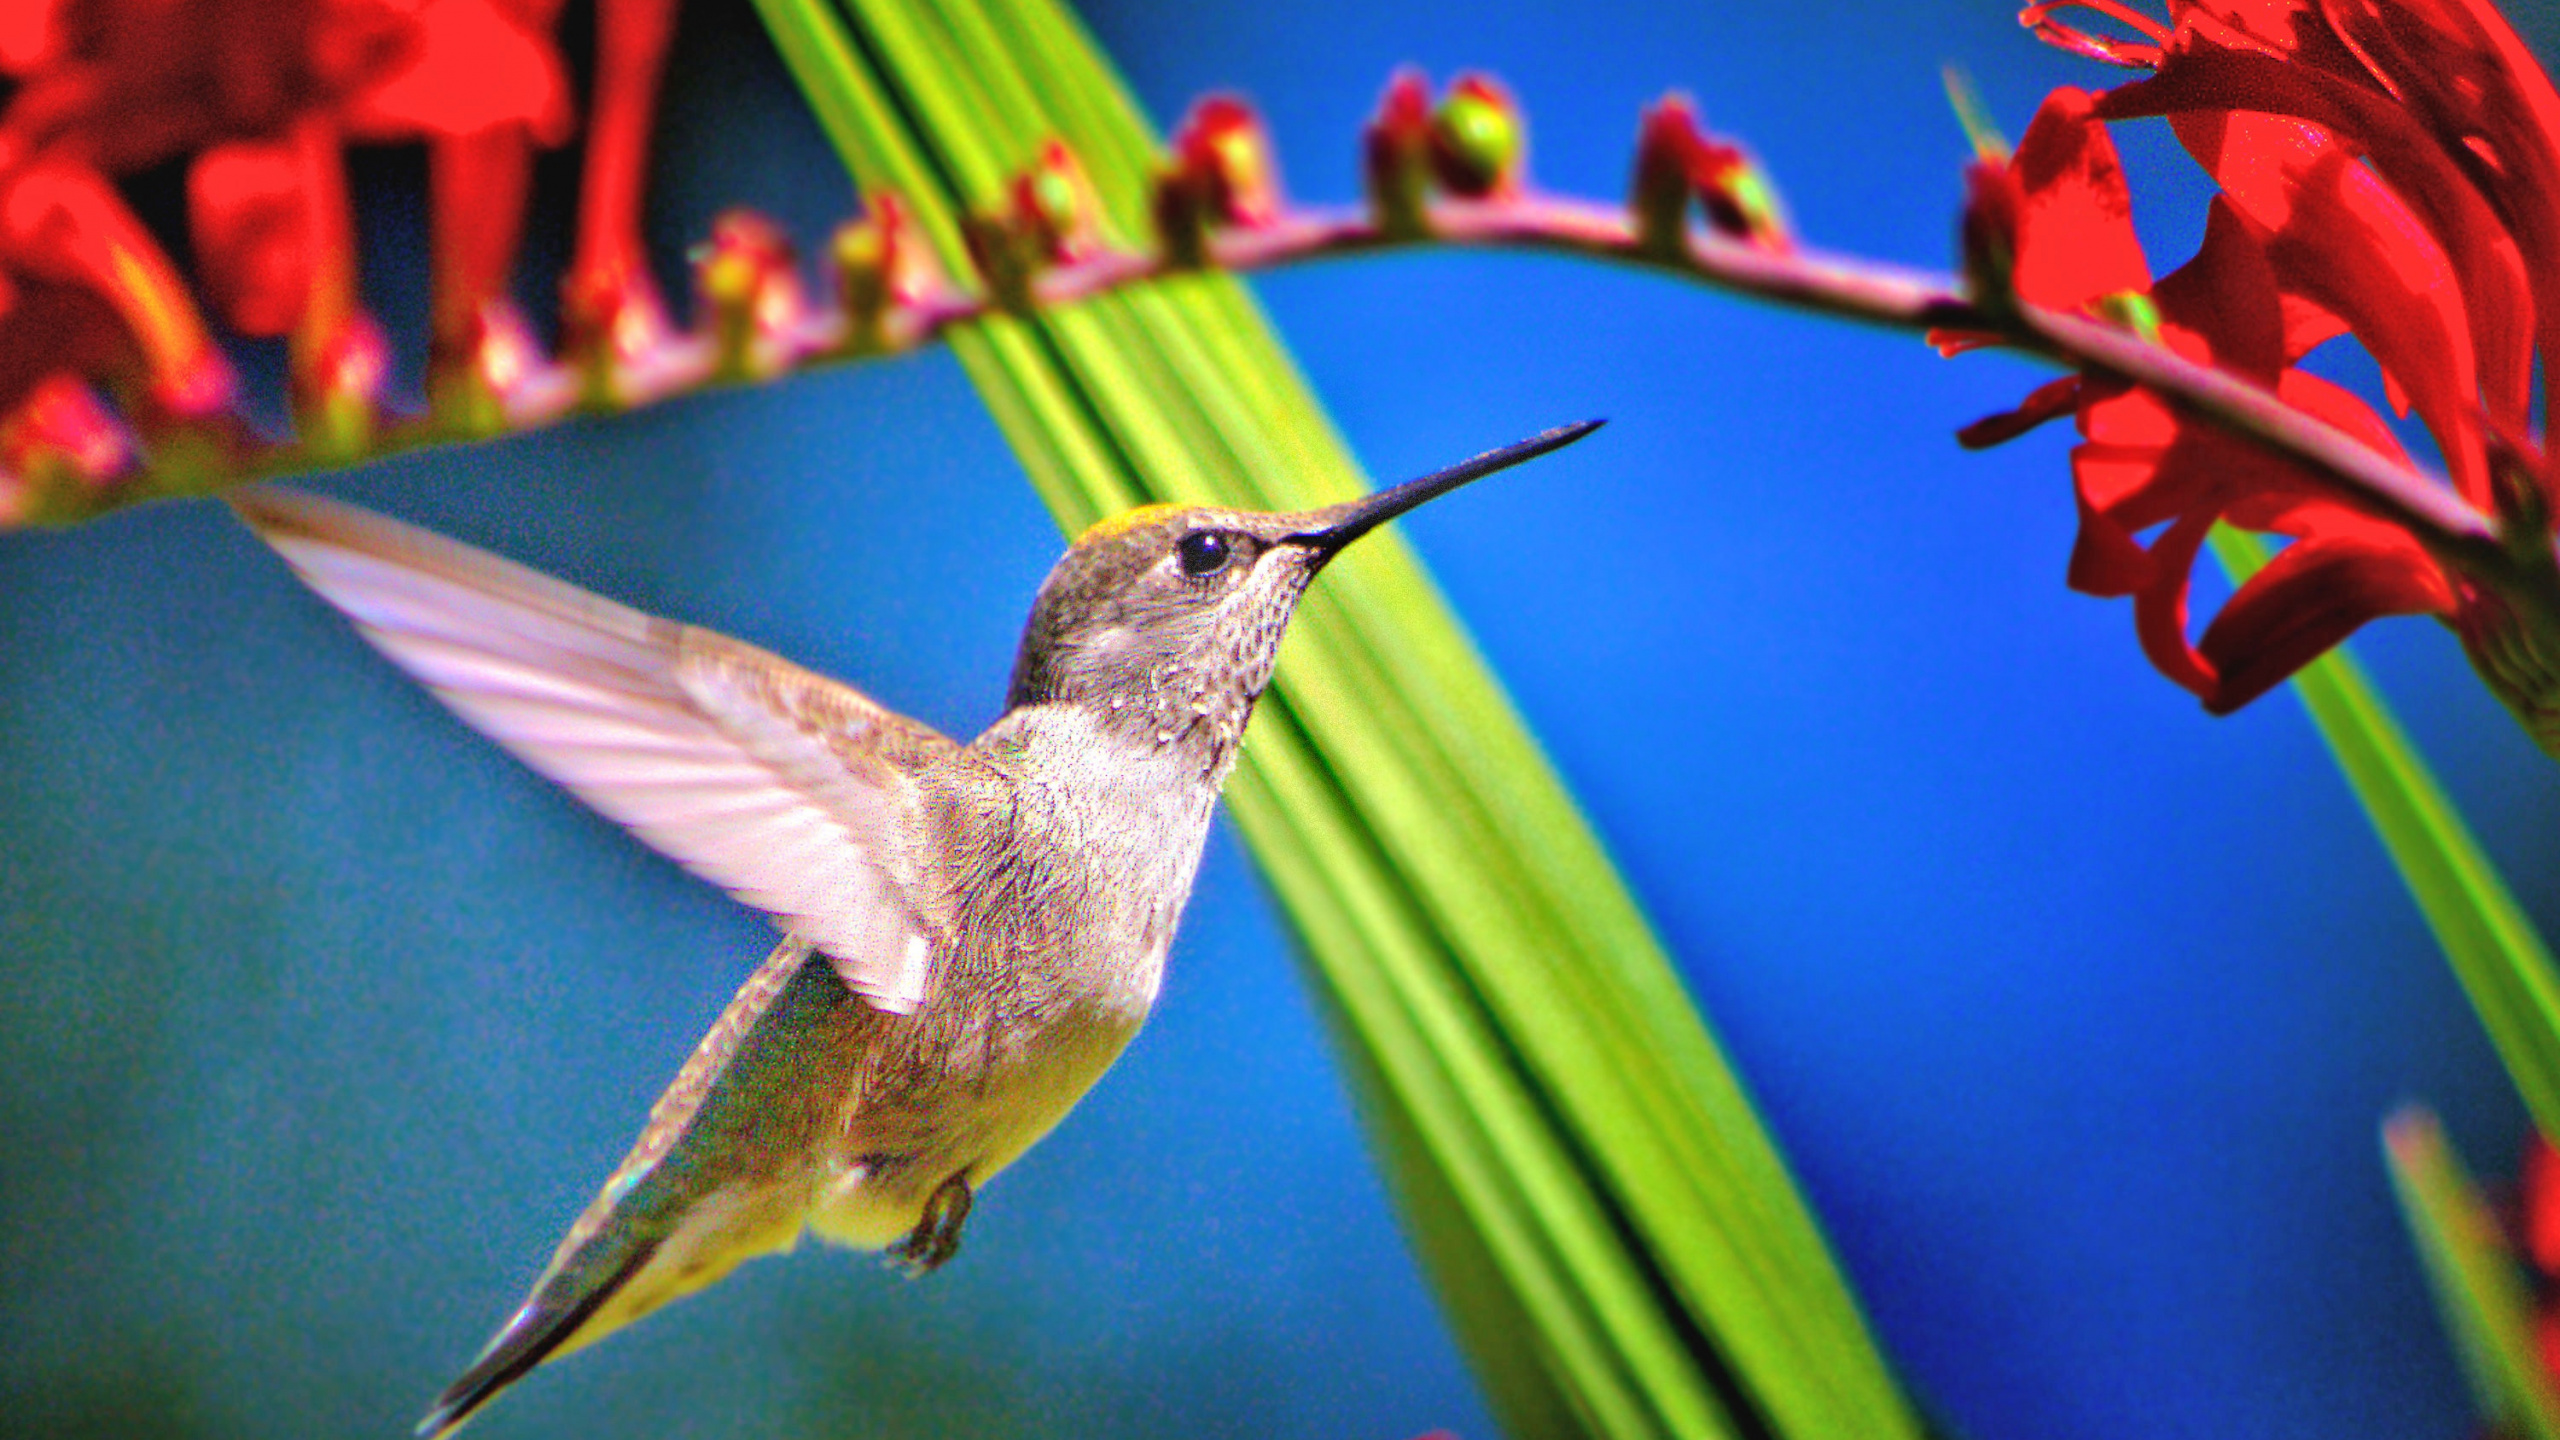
x,y
1204,553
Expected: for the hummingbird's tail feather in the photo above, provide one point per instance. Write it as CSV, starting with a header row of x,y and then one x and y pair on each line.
x,y
562,1303
719,1176
615,1274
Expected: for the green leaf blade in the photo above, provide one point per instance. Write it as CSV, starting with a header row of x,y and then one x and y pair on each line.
x,y
2495,953
2474,1278
1616,1234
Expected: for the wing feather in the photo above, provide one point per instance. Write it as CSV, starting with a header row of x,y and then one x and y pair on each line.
x,y
788,790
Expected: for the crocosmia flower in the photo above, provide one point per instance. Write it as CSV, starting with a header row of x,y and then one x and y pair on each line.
x,y
2389,170
257,99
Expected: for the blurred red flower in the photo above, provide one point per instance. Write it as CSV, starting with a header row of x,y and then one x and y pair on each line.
x,y
2537,1225
2387,170
258,99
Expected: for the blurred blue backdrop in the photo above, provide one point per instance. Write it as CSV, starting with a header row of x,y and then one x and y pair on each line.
x,y
2075,1009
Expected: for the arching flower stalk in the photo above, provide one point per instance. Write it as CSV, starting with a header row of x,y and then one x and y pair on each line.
x,y
2394,181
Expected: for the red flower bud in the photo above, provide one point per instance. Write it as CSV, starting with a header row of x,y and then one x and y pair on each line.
x,y
1055,209
478,372
1219,172
613,327
60,436
1676,162
749,283
882,266
1740,202
1397,154
1479,143
1667,141
1223,155
337,380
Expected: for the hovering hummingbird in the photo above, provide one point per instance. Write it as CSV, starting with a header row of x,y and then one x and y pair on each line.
x,y
971,932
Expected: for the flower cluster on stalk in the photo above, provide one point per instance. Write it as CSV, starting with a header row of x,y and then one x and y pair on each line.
x,y
104,344
2388,170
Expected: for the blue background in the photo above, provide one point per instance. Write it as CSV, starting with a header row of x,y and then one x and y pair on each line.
x,y
2075,1009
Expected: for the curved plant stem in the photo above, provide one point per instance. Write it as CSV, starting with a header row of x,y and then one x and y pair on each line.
x,y
2522,571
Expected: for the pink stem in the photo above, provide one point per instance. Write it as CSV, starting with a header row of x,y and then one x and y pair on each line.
x,y
2524,572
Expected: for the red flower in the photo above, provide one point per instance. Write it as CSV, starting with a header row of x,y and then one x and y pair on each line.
x,y
883,265
749,282
259,96
89,290
2389,169
2537,1231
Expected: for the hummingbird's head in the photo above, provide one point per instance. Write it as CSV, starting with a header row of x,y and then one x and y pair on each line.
x,y
1167,619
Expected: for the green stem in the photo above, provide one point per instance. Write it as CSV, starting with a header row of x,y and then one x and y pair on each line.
x,y
2492,945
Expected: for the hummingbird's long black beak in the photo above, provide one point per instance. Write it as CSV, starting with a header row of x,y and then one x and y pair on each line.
x,y
1344,523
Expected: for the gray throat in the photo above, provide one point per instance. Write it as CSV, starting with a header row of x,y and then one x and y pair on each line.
x,y
1105,813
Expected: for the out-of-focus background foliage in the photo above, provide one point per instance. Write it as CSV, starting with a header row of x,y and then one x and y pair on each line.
x,y
2075,1009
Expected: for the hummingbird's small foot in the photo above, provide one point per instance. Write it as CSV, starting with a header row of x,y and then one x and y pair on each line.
x,y
936,1237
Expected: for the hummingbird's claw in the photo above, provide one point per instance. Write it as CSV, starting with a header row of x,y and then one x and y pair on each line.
x,y
936,1237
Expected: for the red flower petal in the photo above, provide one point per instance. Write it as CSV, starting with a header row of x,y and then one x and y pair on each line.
x,y
2075,231
127,84
2335,232
2225,302
2050,401
2160,607
475,69
2128,489
2296,30
2312,595
2420,171
2463,72
477,185
246,211
2539,1197
2106,559
609,282
64,224
30,34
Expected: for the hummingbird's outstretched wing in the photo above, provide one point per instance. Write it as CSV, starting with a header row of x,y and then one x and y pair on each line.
x,y
787,789
719,1176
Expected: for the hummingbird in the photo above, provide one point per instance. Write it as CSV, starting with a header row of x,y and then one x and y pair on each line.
x,y
970,933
